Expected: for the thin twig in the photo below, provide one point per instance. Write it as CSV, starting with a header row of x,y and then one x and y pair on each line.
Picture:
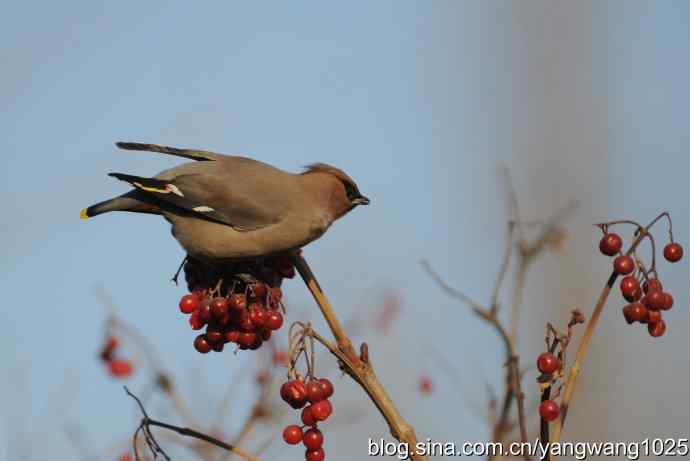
x,y
147,422
512,375
520,398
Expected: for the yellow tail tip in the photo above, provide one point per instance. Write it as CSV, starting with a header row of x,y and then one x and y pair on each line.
x,y
83,214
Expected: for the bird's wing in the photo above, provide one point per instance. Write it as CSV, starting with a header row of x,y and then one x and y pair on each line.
x,y
216,198
192,154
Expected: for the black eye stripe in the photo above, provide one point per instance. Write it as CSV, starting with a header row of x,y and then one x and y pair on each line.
x,y
350,190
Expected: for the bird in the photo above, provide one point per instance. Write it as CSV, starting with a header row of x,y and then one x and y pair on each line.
x,y
226,207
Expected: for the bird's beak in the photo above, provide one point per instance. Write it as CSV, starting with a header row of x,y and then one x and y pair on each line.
x,y
361,200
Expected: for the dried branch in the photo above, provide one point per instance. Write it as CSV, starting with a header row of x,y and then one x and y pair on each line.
x,y
513,386
527,253
156,449
359,368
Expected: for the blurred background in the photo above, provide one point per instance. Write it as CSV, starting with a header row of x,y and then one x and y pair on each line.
x,y
425,104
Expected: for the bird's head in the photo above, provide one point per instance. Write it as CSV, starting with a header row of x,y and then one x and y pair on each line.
x,y
345,194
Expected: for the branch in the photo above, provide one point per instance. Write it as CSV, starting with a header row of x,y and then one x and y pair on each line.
x,y
513,385
146,423
527,253
359,368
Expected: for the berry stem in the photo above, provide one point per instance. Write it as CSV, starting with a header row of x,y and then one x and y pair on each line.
x,y
360,371
583,347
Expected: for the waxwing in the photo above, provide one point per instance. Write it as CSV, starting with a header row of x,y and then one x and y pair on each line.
x,y
229,207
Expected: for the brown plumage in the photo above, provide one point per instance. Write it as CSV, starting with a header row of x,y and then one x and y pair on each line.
x,y
229,207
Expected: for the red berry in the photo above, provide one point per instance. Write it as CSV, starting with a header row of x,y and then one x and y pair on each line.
x,y
321,410
257,315
610,244
120,368
653,316
425,385
547,363
657,329
220,307
214,335
256,344
246,339
189,303
294,393
292,434
219,346
630,288
314,391
313,439
673,252
655,300
202,344
668,301
307,417
238,302
204,311
315,455
257,290
280,358
623,265
549,410
635,312
326,387
651,285
245,323
195,322
274,320
231,336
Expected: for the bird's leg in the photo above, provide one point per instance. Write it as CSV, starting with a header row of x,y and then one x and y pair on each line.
x,y
179,269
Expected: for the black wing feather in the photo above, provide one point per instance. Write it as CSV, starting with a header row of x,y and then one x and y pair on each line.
x,y
170,193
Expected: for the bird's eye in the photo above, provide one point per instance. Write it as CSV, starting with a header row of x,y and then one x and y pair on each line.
x,y
351,191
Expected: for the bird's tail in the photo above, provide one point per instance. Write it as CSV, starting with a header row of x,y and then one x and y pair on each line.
x,y
131,201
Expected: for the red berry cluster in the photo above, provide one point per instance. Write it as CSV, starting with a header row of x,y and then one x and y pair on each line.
x,y
298,394
237,302
646,309
117,367
648,299
548,364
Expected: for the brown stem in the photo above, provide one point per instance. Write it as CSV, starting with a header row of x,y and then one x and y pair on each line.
x,y
520,398
360,370
518,290
544,425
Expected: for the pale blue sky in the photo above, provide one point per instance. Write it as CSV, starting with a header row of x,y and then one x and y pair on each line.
x,y
421,102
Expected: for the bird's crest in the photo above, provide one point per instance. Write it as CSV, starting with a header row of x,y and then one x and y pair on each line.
x,y
325,168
